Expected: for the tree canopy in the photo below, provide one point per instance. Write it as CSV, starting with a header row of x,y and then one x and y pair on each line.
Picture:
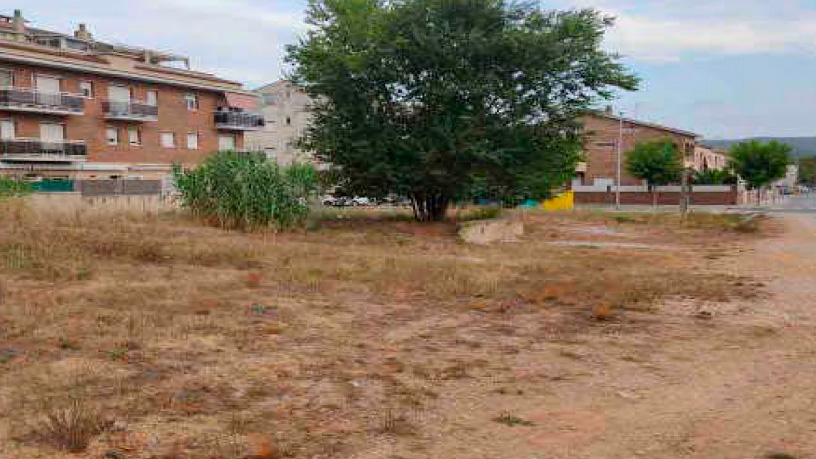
x,y
658,162
714,177
425,98
760,164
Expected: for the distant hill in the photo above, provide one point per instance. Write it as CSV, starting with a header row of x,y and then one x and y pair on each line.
x,y
802,146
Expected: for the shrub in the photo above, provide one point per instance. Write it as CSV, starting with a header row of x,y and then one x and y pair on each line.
x,y
246,190
482,213
714,177
11,188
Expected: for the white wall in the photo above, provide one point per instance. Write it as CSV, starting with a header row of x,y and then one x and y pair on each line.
x,y
286,111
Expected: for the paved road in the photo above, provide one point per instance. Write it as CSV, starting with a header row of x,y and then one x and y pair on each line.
x,y
794,204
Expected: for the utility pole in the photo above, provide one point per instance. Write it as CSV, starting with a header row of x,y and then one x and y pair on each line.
x,y
684,199
620,154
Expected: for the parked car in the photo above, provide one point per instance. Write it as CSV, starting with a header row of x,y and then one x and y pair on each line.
x,y
358,201
342,201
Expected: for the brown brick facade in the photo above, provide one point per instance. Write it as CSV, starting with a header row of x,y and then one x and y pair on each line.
x,y
600,146
90,127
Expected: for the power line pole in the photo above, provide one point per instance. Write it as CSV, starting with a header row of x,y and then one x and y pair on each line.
x,y
684,199
620,154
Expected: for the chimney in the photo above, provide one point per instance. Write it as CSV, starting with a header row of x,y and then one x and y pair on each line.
x,y
609,111
18,23
82,33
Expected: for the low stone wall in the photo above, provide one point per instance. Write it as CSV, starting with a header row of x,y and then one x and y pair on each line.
x,y
484,232
665,198
119,187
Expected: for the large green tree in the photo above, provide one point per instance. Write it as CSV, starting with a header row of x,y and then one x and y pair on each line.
x,y
760,164
424,98
657,162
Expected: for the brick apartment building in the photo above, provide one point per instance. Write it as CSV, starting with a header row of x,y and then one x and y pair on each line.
x,y
76,108
601,146
595,181
707,158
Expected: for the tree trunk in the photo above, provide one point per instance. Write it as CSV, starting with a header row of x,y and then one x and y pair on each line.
x,y
429,207
654,197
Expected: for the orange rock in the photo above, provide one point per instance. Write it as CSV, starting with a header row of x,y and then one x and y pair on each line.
x,y
260,446
603,312
254,279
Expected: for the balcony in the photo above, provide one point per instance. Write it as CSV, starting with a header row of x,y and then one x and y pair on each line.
x,y
130,111
34,101
239,121
42,150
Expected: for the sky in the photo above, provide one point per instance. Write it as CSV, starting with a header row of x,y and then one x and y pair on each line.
x,y
721,68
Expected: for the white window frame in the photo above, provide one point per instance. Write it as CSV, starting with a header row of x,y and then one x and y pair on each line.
x,y
155,101
51,123
112,141
172,137
192,145
124,86
90,85
13,128
138,141
11,74
35,80
192,102
227,136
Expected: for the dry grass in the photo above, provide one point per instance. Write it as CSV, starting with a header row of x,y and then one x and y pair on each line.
x,y
196,342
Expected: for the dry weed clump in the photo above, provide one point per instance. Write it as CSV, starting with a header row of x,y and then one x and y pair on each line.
x,y
72,428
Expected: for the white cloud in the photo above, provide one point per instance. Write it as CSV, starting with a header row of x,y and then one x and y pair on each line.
x,y
668,39
668,30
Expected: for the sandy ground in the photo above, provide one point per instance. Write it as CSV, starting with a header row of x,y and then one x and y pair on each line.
x,y
735,382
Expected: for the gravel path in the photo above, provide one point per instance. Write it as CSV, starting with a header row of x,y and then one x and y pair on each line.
x,y
742,385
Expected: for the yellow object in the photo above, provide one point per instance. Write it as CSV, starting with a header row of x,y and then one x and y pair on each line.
x,y
564,201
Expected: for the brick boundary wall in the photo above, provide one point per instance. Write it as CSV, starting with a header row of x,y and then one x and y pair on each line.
x,y
665,198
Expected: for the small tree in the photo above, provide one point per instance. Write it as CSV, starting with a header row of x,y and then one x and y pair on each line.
x,y
714,177
246,190
760,164
657,162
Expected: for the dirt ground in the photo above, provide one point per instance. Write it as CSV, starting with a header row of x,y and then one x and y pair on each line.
x,y
735,382
594,336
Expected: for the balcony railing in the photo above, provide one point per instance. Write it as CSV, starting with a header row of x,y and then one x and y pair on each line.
x,y
33,100
130,110
239,121
42,150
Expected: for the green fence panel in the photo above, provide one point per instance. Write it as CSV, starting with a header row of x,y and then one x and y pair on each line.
x,y
54,186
